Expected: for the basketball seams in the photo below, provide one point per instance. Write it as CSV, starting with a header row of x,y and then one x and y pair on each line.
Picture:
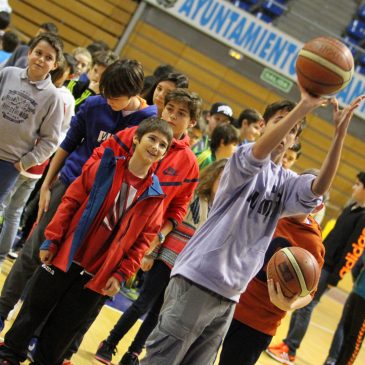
x,y
345,74
297,270
318,82
317,44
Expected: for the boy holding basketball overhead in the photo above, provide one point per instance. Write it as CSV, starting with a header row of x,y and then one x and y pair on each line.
x,y
229,249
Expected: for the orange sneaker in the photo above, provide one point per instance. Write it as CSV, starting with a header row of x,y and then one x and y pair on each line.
x,y
280,353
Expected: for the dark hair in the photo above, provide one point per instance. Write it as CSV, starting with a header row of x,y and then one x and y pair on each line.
x,y
53,40
191,99
153,124
287,105
67,61
297,148
208,176
10,41
226,132
49,27
97,46
4,19
70,62
122,78
361,177
148,83
163,70
180,80
251,115
104,58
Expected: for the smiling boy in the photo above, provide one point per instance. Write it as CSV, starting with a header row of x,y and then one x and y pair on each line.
x,y
31,109
95,242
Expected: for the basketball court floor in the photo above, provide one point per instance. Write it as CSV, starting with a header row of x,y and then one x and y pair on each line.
x,y
312,352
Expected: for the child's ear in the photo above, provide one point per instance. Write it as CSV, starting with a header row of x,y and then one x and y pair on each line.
x,y
135,139
192,123
55,66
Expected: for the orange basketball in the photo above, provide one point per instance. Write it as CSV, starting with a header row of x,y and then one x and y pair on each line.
x,y
295,269
324,66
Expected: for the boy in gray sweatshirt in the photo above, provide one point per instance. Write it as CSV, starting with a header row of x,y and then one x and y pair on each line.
x,y
228,250
31,110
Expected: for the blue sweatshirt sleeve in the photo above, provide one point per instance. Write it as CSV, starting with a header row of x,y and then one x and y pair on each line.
x,y
77,130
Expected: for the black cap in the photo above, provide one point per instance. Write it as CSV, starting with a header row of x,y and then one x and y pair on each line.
x,y
222,108
361,177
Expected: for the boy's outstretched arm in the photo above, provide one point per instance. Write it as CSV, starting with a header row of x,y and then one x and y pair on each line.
x,y
274,133
328,170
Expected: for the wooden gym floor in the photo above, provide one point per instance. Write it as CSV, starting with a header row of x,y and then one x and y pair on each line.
x,y
312,352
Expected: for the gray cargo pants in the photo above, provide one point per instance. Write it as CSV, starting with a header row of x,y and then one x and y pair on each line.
x,y
191,327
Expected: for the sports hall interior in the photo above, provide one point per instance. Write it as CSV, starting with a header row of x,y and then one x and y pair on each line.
x,y
145,32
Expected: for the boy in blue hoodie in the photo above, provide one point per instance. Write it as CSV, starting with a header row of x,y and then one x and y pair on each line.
x,y
229,249
119,107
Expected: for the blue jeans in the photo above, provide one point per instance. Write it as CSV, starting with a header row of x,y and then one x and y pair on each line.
x,y
8,176
300,318
15,202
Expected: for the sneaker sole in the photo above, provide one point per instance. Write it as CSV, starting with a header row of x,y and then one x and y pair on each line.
x,y
101,359
279,359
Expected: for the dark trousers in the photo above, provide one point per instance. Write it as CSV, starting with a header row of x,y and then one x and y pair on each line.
x,y
337,339
68,303
300,318
243,345
150,299
28,260
354,329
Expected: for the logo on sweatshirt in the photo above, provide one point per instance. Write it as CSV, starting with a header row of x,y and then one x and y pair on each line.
x,y
352,257
170,171
103,136
18,106
266,207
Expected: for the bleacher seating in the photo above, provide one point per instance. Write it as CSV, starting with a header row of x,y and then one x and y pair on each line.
x,y
266,10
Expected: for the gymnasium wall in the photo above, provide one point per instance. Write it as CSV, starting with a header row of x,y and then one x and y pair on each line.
x,y
79,21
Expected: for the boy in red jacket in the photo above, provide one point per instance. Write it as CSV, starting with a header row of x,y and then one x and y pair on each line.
x,y
178,173
95,241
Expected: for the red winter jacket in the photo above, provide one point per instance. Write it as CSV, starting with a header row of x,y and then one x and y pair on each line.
x,y
178,171
84,206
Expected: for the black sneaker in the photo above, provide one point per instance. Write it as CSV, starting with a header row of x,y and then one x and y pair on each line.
x,y
105,352
129,358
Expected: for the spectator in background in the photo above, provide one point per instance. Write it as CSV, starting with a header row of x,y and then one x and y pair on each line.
x,y
81,90
225,139
83,59
291,155
163,70
219,113
163,85
250,124
195,133
5,11
97,46
10,41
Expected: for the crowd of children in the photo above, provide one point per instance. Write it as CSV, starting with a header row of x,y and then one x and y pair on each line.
x,y
132,173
